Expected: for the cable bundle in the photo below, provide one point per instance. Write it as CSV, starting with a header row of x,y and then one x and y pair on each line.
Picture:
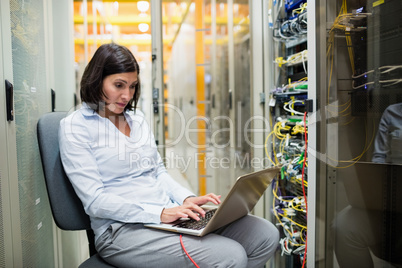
x,y
293,27
289,204
378,77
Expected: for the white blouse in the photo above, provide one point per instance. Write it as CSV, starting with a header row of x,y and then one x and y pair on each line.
x,y
117,178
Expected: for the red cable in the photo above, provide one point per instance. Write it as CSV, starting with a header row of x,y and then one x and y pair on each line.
x,y
304,193
191,259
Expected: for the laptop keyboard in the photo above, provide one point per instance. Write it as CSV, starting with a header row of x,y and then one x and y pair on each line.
x,y
197,225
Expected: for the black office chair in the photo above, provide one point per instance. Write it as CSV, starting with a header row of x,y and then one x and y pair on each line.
x,y
67,209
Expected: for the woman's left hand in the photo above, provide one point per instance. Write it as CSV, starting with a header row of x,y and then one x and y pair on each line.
x,y
201,200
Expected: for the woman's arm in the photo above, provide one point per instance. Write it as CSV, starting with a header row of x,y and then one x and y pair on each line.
x,y
82,169
381,143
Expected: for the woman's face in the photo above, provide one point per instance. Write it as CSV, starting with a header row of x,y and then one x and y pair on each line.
x,y
119,90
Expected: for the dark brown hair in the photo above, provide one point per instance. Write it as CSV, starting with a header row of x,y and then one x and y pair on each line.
x,y
108,59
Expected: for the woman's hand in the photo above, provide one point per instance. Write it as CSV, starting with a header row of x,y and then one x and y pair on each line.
x,y
201,200
190,208
183,211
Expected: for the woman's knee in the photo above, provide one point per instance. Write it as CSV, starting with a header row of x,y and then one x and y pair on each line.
x,y
236,257
265,231
222,252
269,237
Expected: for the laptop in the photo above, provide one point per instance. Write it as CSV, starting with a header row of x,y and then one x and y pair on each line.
x,y
241,199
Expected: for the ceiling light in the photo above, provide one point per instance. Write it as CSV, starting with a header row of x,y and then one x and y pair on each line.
x,y
108,27
143,6
143,27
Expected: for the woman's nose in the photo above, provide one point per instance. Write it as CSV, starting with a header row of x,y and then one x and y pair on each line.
x,y
126,94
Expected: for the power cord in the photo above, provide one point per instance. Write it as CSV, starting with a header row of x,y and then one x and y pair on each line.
x,y
303,175
191,259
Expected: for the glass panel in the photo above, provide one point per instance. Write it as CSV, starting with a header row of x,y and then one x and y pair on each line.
x,y
180,79
210,104
363,134
221,95
242,88
31,100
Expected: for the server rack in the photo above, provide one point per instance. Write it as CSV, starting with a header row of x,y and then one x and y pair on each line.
x,y
286,143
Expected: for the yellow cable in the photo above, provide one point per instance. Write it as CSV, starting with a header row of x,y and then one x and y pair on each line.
x,y
302,226
298,209
279,220
349,102
357,158
301,235
266,148
349,122
330,76
274,150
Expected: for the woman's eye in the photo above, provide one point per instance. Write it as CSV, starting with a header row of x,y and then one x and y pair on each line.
x,y
119,85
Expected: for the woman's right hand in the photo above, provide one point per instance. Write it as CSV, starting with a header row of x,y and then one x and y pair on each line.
x,y
184,211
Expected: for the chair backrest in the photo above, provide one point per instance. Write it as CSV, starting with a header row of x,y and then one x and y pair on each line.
x,y
67,209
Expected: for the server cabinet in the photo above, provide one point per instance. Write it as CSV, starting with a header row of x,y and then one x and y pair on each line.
x,y
29,237
357,153
286,98
6,252
26,64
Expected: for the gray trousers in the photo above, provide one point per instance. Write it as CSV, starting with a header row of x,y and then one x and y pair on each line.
x,y
247,242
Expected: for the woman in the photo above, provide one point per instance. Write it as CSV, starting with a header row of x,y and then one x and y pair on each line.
x,y
110,157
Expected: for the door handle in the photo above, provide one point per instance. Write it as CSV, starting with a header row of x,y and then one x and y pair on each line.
x,y
53,93
9,101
